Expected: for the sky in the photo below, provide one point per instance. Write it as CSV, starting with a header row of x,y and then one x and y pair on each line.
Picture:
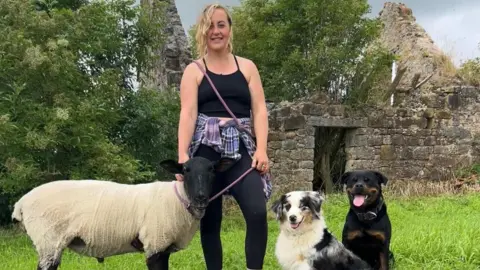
x,y
454,27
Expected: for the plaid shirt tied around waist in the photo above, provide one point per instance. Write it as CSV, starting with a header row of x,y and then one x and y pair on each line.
x,y
225,138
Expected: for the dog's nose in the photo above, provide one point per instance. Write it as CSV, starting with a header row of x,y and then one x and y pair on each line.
x,y
292,218
359,185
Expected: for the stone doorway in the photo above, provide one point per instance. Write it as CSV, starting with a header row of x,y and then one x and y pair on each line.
x,y
330,158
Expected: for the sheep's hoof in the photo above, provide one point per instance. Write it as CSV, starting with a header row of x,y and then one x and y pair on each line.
x,y
100,260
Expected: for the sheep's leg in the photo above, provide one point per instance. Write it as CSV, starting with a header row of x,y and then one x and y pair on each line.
x,y
158,261
49,260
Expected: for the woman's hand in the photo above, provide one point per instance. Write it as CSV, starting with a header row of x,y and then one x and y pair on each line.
x,y
260,161
181,159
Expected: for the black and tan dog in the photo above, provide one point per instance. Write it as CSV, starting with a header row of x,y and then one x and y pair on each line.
x,y
367,230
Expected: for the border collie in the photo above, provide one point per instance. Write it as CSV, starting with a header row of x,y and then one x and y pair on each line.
x,y
304,242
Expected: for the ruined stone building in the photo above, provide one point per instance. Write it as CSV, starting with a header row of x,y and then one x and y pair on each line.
x,y
428,133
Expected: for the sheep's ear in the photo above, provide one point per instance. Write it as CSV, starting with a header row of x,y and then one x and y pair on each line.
x,y
172,166
223,164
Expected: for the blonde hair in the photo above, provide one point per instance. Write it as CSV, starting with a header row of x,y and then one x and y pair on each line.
x,y
203,24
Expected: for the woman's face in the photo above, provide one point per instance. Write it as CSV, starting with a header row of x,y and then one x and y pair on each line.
x,y
219,32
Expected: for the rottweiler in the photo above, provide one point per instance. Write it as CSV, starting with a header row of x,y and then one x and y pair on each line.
x,y
367,230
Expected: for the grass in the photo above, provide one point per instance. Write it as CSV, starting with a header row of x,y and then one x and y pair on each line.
x,y
434,232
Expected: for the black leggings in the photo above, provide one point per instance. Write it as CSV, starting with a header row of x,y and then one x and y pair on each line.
x,y
249,194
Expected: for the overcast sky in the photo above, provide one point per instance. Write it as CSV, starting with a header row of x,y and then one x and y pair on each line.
x,y
454,27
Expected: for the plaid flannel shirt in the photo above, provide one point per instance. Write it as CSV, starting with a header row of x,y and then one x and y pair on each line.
x,y
225,139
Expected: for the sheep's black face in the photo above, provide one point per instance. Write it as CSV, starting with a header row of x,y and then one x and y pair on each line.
x,y
198,175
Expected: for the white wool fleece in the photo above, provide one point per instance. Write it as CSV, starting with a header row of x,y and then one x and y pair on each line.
x,y
107,216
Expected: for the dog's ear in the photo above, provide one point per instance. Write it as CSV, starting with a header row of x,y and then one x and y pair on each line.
x,y
277,207
382,179
315,202
344,178
172,166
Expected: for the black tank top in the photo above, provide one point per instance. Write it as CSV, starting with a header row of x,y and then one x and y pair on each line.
x,y
233,88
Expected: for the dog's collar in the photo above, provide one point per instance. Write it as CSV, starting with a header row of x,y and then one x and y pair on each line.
x,y
372,214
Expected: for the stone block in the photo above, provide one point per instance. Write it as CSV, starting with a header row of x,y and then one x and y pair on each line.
x,y
290,135
380,121
422,152
413,141
453,101
402,153
387,139
356,140
402,112
360,153
375,140
284,111
294,122
443,114
463,149
303,154
276,136
282,154
303,175
289,144
398,139
387,152
309,142
336,122
309,130
307,164
444,149
336,110
429,113
445,161
275,145
314,109
429,141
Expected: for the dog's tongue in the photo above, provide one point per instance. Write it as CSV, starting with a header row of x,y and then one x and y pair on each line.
x,y
358,200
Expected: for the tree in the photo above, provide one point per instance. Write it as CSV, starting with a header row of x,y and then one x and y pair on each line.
x,y
302,47
69,108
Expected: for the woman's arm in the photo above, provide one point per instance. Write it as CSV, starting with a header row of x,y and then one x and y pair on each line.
x,y
260,116
188,111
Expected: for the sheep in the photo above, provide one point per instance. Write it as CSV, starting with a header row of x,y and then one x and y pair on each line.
x,y
99,219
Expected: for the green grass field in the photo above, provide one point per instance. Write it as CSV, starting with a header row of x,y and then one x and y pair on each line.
x,y
428,233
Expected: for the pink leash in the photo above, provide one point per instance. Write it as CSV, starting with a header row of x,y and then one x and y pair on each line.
x,y
187,205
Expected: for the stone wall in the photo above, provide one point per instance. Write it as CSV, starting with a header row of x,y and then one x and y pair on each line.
x,y
174,54
428,143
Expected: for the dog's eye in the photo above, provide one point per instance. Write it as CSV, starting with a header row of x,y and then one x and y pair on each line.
x,y
366,180
304,208
287,206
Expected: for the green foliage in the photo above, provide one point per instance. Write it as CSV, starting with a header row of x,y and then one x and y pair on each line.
x,y
305,46
68,106
470,71
192,41
149,128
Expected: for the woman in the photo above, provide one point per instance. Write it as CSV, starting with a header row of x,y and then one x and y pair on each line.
x,y
238,81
